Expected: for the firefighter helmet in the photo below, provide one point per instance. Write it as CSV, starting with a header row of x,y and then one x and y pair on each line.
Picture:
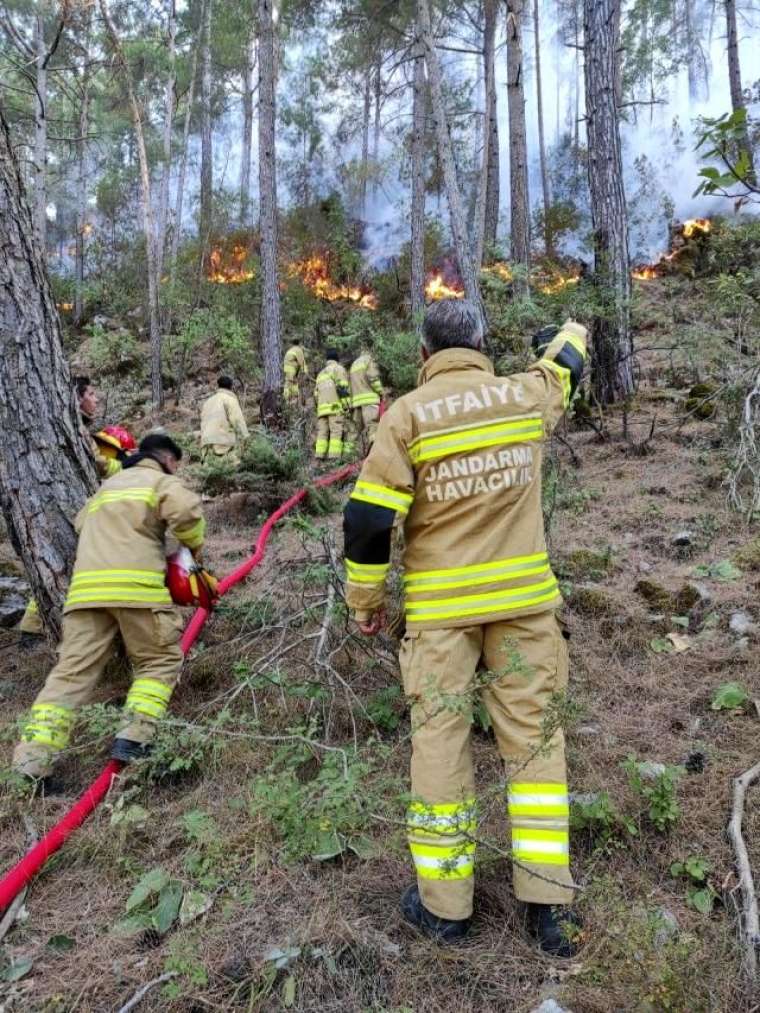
x,y
189,583
113,440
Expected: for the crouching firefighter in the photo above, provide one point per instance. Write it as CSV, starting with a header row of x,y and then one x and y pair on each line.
x,y
459,459
118,587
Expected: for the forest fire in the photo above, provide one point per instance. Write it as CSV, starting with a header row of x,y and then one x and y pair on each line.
x,y
314,272
695,225
690,229
558,283
436,287
228,268
500,269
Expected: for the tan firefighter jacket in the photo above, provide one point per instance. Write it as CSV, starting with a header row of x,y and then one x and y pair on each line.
x,y
460,459
222,421
366,385
294,364
121,556
332,392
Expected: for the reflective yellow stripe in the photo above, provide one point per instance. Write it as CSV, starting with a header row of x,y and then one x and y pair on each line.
x,y
320,447
332,408
142,574
382,495
578,343
50,725
149,697
368,398
428,448
564,377
96,578
32,609
541,847
475,604
119,594
193,534
538,800
478,573
443,861
124,495
113,467
366,573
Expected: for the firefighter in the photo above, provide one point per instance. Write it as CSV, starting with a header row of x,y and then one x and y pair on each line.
x,y
366,394
332,394
459,459
295,369
222,424
110,447
118,586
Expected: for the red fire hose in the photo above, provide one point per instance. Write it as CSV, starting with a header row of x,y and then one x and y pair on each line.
x,y
25,870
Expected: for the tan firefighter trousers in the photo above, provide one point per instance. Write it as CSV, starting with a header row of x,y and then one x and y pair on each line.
x,y
366,420
152,641
331,433
220,451
438,668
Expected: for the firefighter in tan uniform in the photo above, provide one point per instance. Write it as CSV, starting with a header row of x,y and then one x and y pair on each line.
x,y
223,425
118,587
366,395
460,459
108,462
332,395
296,372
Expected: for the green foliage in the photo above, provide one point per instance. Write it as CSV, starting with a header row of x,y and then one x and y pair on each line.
x,y
383,707
723,571
112,351
154,905
700,894
658,792
398,356
559,220
600,818
261,456
724,139
729,696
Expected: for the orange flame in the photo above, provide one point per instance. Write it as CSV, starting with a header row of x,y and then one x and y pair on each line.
x,y
691,227
65,307
694,225
437,288
646,273
229,269
501,269
558,283
314,272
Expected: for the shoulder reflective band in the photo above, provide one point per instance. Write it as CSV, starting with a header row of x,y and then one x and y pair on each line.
x,y
366,573
50,725
382,495
478,573
149,697
467,438
192,535
541,847
106,496
482,604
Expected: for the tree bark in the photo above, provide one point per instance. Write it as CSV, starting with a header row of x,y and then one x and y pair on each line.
x,y
378,99
486,182
46,470
271,343
177,231
518,147
494,155
613,377
417,252
82,151
169,105
365,146
735,82
146,207
541,138
446,157
249,90
207,152
40,133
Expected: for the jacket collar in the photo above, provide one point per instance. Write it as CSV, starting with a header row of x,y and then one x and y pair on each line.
x,y
148,462
452,360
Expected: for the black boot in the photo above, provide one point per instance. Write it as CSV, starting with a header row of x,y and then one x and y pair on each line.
x,y
554,927
442,930
44,787
128,751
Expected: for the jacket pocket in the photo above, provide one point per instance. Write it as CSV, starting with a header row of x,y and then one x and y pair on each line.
x,y
167,627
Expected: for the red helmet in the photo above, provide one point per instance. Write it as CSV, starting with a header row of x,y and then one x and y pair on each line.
x,y
188,583
114,439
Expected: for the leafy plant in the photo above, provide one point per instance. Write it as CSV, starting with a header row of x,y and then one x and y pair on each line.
x,y
382,707
154,904
724,571
601,819
658,792
729,696
699,893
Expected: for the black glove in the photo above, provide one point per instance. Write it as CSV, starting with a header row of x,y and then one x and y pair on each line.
x,y
543,338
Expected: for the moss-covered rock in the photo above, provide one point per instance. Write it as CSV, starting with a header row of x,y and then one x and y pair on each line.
x,y
656,596
748,556
699,403
584,564
591,601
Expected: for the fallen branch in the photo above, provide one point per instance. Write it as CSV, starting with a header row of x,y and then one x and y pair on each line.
x,y
140,994
749,919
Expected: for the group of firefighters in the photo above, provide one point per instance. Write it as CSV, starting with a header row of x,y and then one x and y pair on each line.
x,y
458,463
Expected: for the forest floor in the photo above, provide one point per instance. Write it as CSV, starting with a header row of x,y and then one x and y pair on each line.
x,y
280,664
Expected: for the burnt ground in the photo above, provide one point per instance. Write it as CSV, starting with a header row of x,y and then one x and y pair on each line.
x,y
280,667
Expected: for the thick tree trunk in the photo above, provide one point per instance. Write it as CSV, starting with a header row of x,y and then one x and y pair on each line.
x,y
365,146
207,152
417,253
378,102
695,61
146,208
177,230
271,344
446,157
492,126
735,82
613,377
485,182
169,104
518,147
81,215
249,90
46,470
541,139
40,133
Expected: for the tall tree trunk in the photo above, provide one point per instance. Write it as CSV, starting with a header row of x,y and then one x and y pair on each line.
x,y
177,231
446,157
207,152
417,257
82,148
378,100
577,51
271,344
613,377
40,132
695,59
491,224
46,470
365,146
541,139
735,82
169,104
485,181
146,207
518,146
249,90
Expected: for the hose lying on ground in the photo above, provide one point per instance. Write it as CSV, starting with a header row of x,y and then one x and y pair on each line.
x,y
25,870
